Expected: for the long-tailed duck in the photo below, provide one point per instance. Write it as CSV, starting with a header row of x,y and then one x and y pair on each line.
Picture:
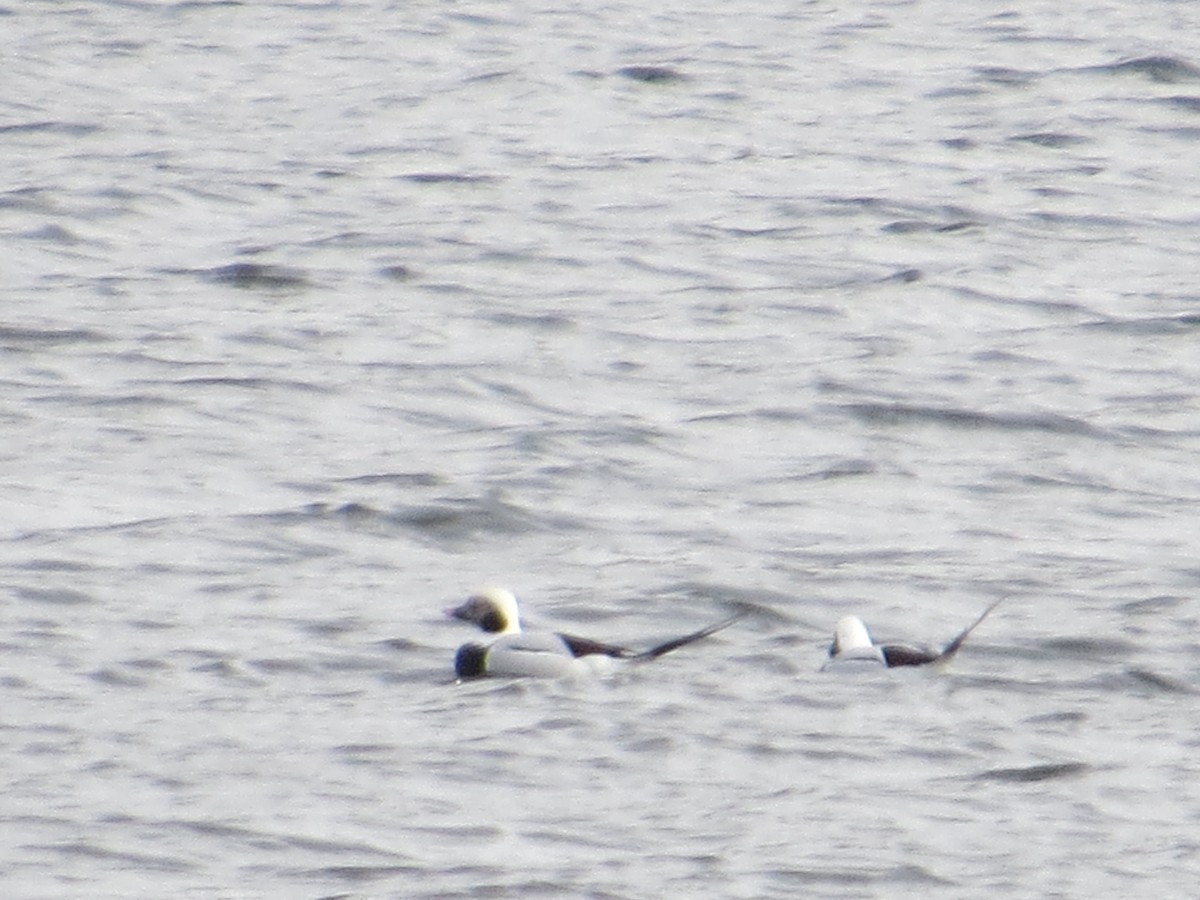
x,y
853,647
513,653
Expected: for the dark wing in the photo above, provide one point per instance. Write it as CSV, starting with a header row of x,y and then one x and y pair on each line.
x,y
587,647
903,655
676,643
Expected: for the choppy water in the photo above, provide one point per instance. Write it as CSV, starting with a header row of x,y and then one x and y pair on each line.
x,y
318,315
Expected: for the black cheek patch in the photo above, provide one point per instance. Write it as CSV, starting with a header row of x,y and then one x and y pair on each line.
x,y
470,661
492,622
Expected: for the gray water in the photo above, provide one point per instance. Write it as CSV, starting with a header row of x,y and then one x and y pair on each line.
x,y
317,316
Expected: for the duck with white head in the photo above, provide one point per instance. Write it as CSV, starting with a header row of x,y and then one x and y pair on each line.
x,y
515,653
853,648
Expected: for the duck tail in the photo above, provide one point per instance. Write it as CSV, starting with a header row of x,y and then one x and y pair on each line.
x,y
676,643
951,648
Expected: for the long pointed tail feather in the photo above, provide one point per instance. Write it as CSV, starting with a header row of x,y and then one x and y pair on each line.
x,y
951,648
676,643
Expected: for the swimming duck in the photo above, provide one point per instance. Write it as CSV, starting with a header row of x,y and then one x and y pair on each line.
x,y
514,653
853,647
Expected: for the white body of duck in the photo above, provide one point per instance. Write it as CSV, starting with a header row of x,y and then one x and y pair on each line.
x,y
853,648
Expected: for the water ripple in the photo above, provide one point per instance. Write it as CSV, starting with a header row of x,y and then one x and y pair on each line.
x,y
1035,773
903,413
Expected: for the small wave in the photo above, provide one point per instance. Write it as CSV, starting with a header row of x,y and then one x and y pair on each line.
x,y
1150,325
1183,133
30,199
399,479
1041,772
1054,140
761,602
1005,76
1099,649
762,414
1153,605
55,596
249,383
542,321
359,874
114,676
281,665
256,276
267,840
356,750
909,874
93,850
70,129
1163,684
960,143
53,234
1190,104
403,645
1064,718
450,520
397,273
1086,221
464,518
902,413
1163,69
715,231
652,74
842,468
447,178
908,276
224,670
14,338
921,226
46,564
